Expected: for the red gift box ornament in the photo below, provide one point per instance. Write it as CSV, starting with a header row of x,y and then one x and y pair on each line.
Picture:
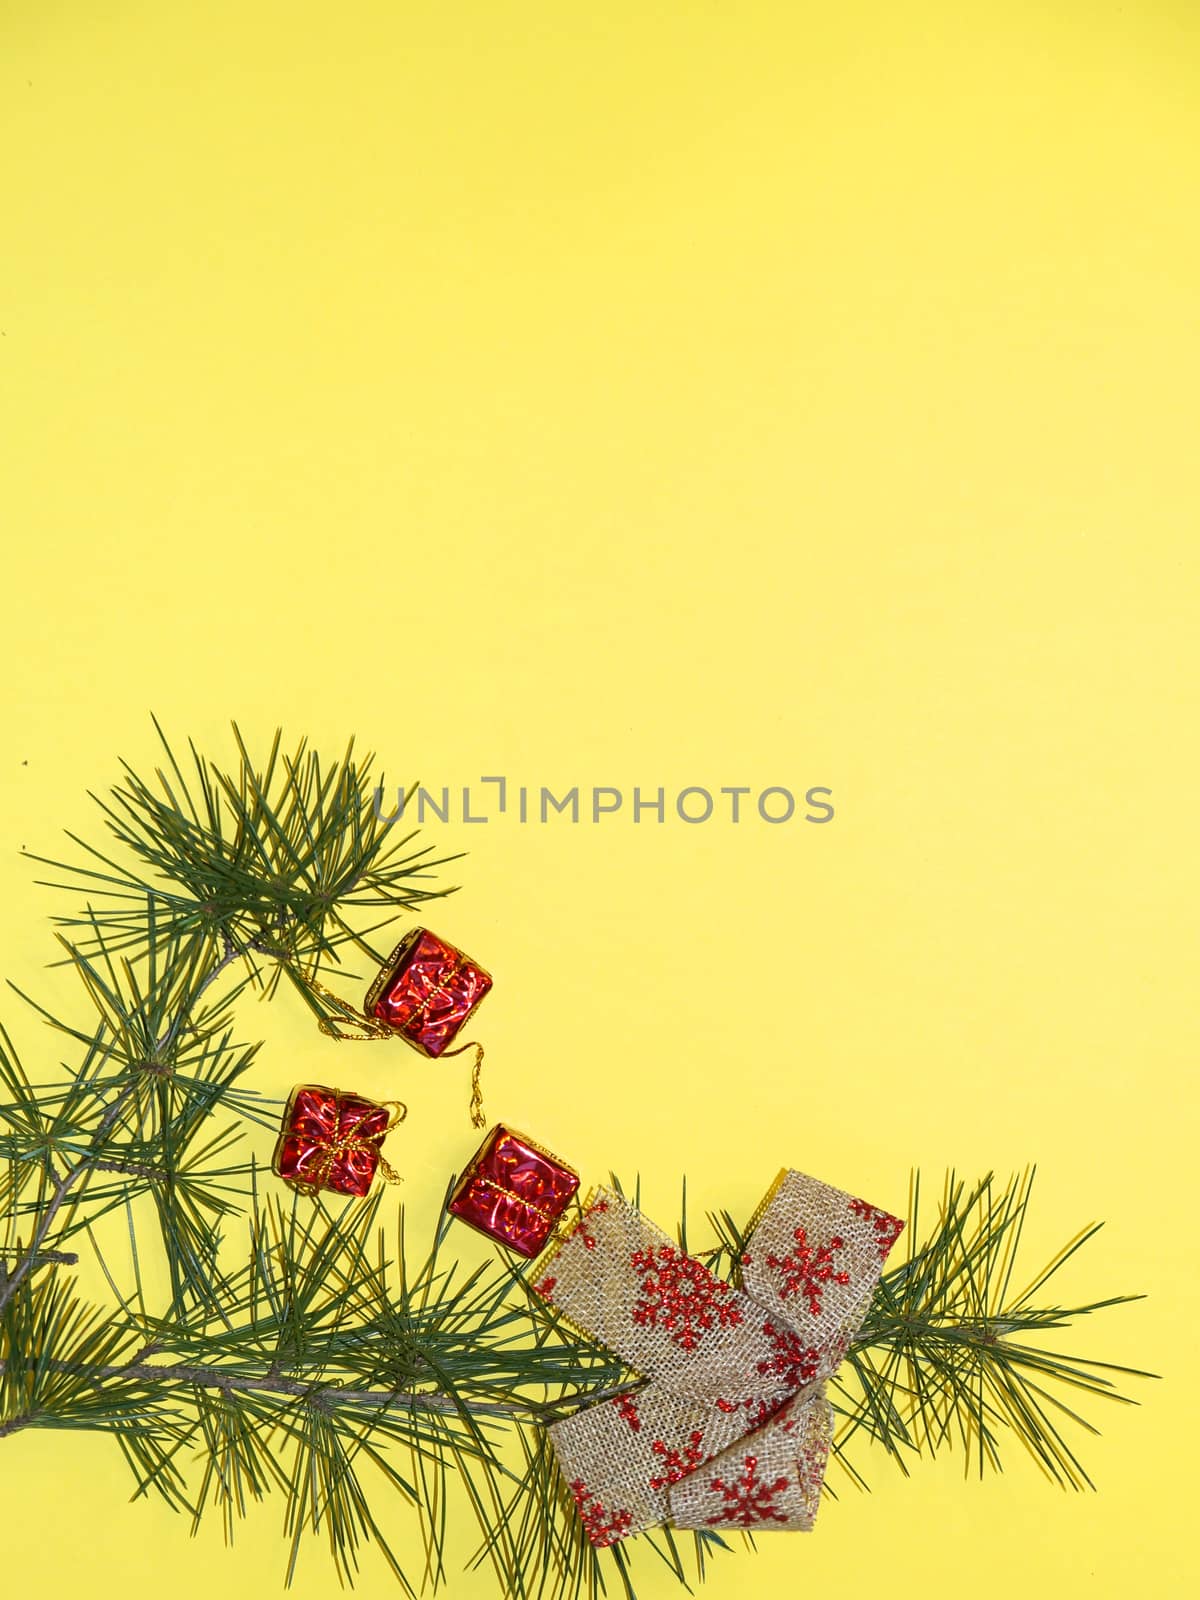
x,y
514,1191
424,993
331,1140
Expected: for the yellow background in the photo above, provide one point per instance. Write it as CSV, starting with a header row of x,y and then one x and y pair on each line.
x,y
665,394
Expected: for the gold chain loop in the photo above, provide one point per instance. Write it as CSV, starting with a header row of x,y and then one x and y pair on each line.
x,y
372,1030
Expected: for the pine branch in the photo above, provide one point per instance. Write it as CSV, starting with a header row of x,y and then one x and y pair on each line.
x,y
950,1357
265,865
321,1364
165,1378
276,857
144,1038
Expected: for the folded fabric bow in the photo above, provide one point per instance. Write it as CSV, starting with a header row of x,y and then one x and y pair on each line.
x,y
733,1427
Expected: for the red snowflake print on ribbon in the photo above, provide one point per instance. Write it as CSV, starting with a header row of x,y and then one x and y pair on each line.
x,y
629,1411
681,1296
581,1227
748,1499
808,1268
677,1463
545,1288
793,1361
887,1228
759,1411
602,1527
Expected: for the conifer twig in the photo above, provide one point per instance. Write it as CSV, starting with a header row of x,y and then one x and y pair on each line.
x,y
321,1357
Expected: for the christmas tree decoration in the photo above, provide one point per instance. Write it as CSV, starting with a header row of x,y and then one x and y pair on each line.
x,y
514,1191
331,1140
423,993
234,1339
733,1427
426,991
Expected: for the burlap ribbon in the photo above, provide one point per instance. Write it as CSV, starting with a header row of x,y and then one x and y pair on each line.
x,y
732,1427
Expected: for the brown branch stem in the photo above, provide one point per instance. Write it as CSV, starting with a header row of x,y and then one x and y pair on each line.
x,y
320,1395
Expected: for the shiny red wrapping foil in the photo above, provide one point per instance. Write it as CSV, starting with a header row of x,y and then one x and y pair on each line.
x,y
427,991
513,1192
330,1140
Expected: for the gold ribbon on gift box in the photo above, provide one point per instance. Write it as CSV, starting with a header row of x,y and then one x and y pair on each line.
x,y
340,1142
732,1427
